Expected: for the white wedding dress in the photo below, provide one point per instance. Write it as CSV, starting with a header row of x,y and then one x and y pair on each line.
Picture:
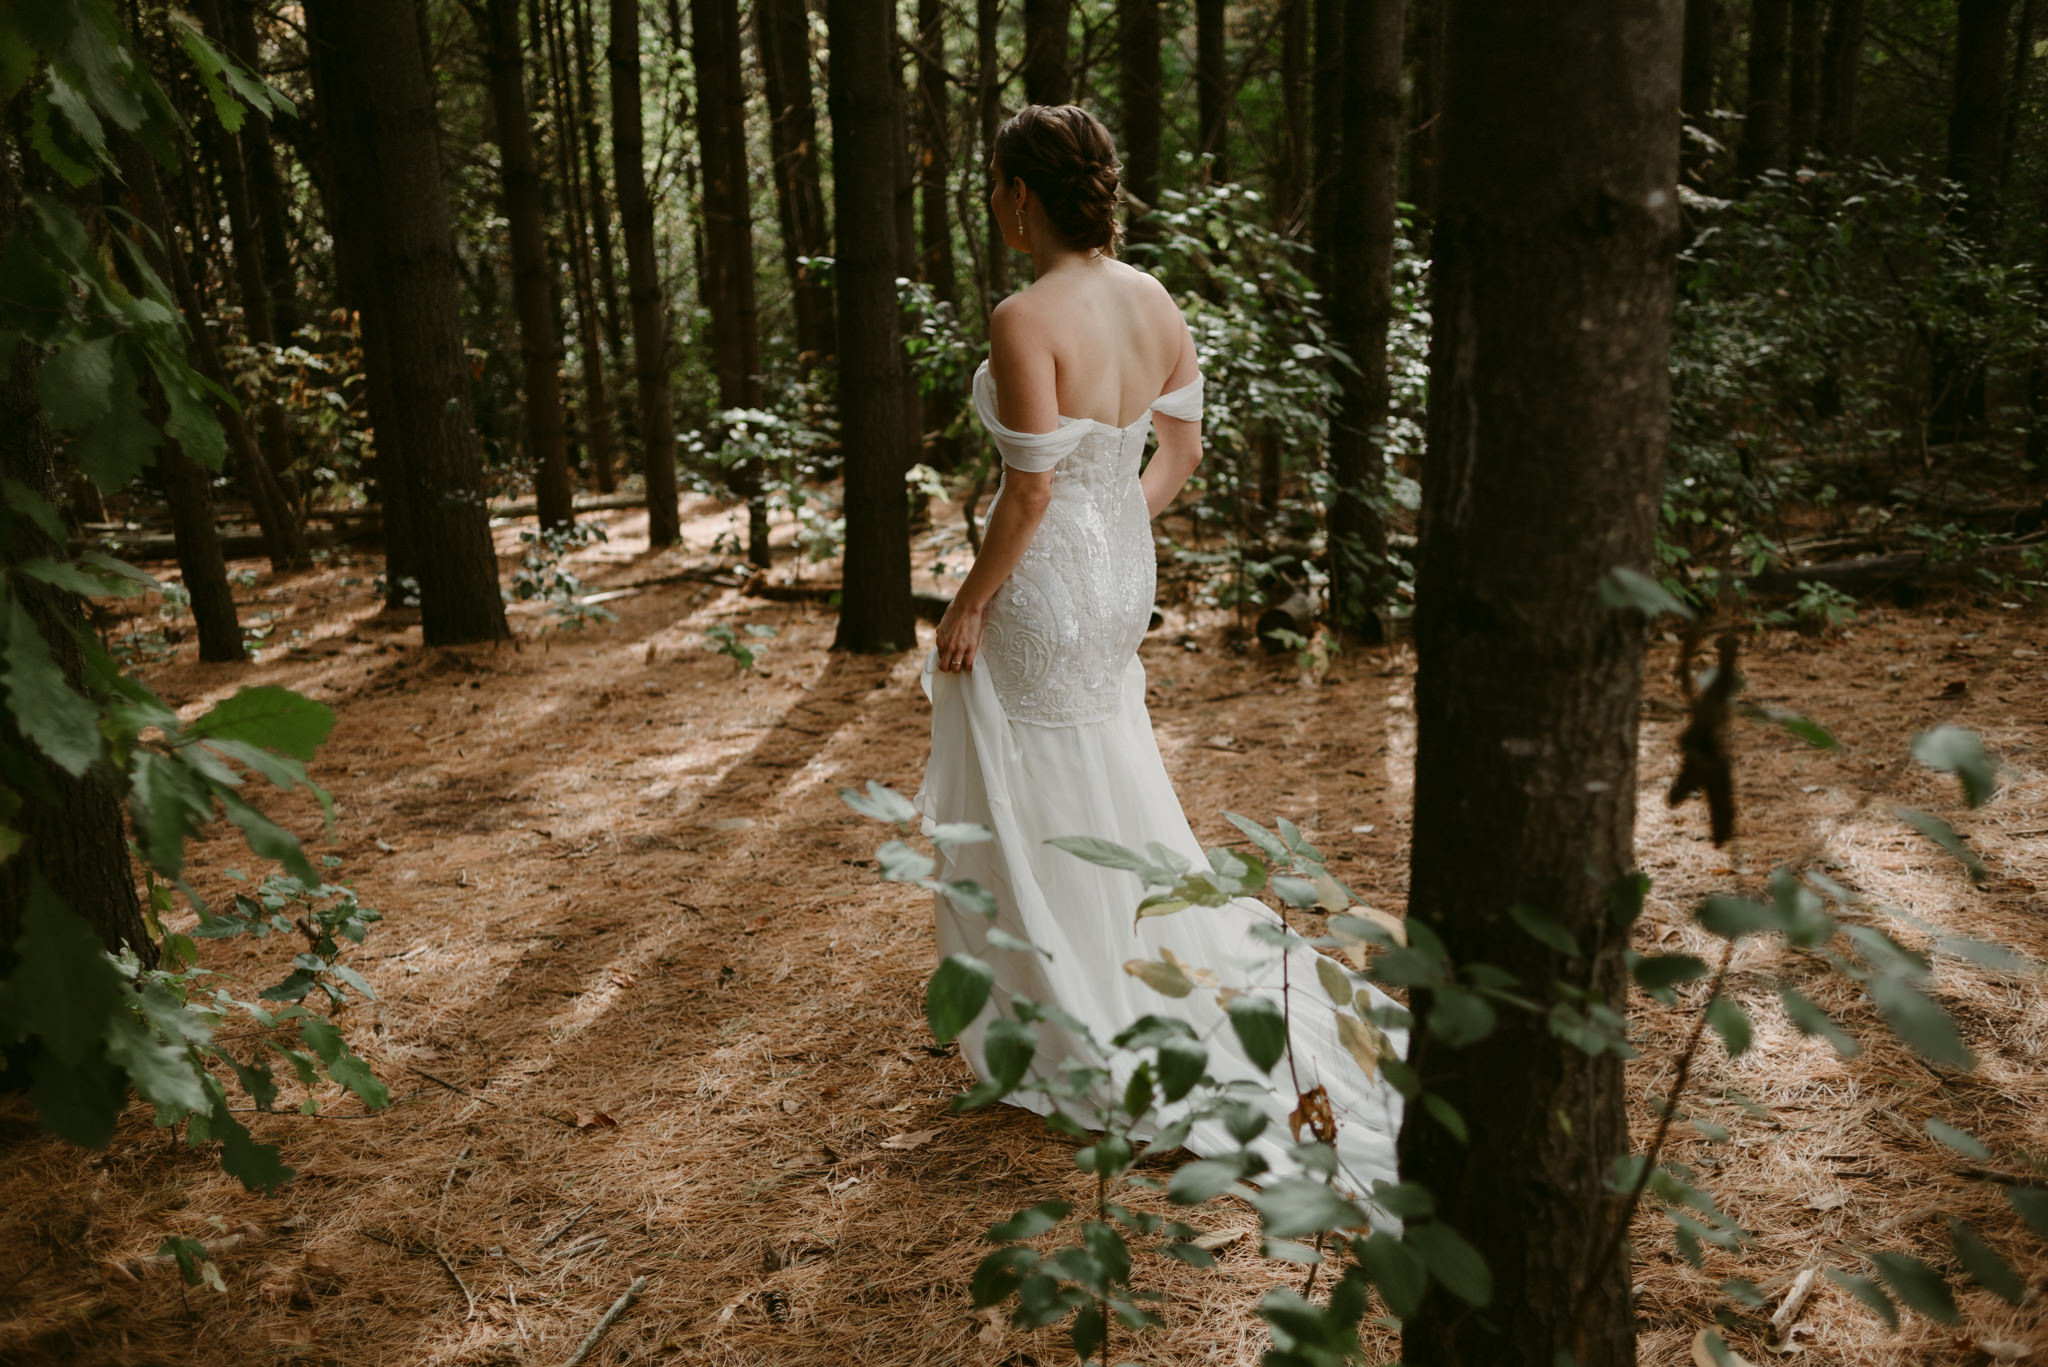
x,y
1048,735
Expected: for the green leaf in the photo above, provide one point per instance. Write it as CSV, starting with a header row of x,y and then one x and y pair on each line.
x,y
73,382
1812,732
1452,1261
55,719
1944,835
1968,1145
63,990
1160,976
1545,928
1810,1019
1869,1292
1396,1270
1201,1180
1181,1064
1445,1114
1631,588
68,576
1731,1023
257,1165
1915,1018
267,716
1261,1029
947,834
163,1073
1731,918
1008,1046
1984,1265
997,1278
2031,1205
958,990
880,802
1956,750
78,1102
169,803
1459,1017
1658,971
1111,855
1295,1206
1335,981
1030,1223
268,839
1918,1285
1268,843
899,863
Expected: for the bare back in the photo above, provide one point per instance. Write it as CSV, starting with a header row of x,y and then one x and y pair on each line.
x,y
1115,339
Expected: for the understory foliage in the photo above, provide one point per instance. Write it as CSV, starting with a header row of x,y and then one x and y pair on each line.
x,y
1079,1263
83,1028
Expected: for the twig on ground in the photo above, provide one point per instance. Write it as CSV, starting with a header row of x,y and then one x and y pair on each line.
x,y
460,1284
611,1317
562,1228
443,1082
1795,1301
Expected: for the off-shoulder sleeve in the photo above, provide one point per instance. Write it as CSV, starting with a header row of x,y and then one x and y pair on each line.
x,y
1184,403
1031,452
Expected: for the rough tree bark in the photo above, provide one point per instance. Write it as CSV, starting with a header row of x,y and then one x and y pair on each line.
x,y
935,225
1549,398
728,262
988,67
643,279
1841,60
875,612
267,189
1212,84
782,37
1696,80
1424,142
373,53
597,411
1326,123
1048,78
1763,128
607,278
1363,253
1292,177
1978,110
903,204
1137,36
540,349
1802,102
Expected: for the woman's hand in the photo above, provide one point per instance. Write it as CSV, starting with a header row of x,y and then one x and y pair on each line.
x,y
960,635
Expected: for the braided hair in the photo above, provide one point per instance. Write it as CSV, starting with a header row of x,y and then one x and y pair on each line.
x,y
1065,155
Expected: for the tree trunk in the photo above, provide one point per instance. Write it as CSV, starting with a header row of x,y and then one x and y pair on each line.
x,y
266,186
935,225
1361,307
1048,79
875,610
1292,188
1137,36
1841,59
728,264
1802,129
1549,395
600,209
988,66
1212,83
283,538
2015,93
74,836
1763,130
383,102
597,412
1425,124
903,203
643,279
1978,108
782,37
1696,82
1326,116
540,348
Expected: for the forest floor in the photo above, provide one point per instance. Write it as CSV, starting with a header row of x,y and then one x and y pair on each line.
x,y
637,972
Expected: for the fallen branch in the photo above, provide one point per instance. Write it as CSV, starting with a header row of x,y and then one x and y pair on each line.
x,y
1795,1300
611,1317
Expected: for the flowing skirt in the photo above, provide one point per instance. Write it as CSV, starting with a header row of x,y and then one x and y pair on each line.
x,y
1028,783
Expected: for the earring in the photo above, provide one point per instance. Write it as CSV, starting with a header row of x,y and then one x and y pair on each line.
x,y
1020,223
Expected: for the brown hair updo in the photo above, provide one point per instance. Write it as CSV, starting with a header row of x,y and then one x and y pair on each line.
x,y
1064,154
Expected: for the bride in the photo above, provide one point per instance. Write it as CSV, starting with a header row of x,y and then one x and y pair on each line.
x,y
1039,725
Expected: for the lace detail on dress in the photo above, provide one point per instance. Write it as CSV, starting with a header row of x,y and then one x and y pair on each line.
x,y
1066,625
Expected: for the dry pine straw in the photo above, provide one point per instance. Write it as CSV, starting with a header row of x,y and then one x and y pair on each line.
x,y
630,919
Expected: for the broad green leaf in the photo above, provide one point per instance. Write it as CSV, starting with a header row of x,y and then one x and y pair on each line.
x,y
1268,843
1624,587
1443,1112
1869,1292
1964,1143
1956,750
997,1278
1733,917
1810,1019
880,802
2031,1204
899,863
1193,1183
1008,1046
1160,976
1335,981
1812,732
958,990
1366,1045
1984,1265
269,839
1030,1222
63,989
1295,1206
1181,1064
257,1165
1986,955
1453,1262
73,381
58,721
1944,835
162,1072
947,834
1111,855
1915,1018
1459,1017
1396,1270
72,578
1918,1285
1654,971
1544,928
1261,1028
77,1102
267,716
1731,1023
169,803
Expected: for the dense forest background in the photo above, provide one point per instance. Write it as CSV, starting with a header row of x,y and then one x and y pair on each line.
x,y
527,436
